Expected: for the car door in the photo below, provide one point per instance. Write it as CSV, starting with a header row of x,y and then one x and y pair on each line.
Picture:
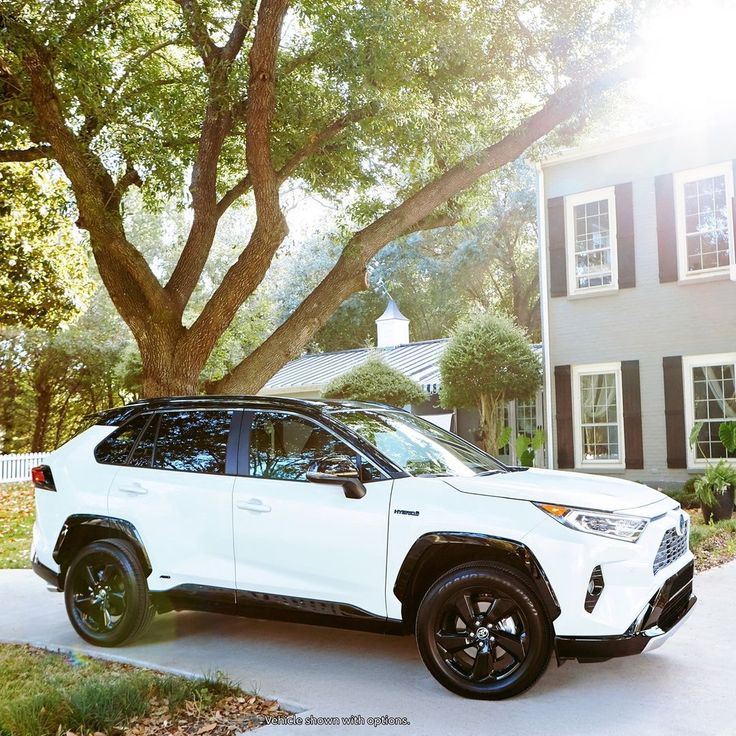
x,y
177,491
300,539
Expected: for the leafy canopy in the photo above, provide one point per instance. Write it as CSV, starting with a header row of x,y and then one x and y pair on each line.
x,y
43,280
375,380
488,356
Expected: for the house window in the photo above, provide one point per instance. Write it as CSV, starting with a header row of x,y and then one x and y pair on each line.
x,y
591,241
710,397
704,220
598,413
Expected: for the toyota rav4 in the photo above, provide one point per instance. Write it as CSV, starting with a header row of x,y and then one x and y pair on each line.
x,y
358,515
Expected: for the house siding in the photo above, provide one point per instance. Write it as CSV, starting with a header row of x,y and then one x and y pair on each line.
x,y
653,319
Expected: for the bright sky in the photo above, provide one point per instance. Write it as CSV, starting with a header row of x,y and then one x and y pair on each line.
x,y
689,62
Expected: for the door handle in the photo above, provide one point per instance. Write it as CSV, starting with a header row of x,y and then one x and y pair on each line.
x,y
136,489
254,505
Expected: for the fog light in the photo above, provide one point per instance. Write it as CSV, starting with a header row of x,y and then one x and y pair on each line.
x,y
595,588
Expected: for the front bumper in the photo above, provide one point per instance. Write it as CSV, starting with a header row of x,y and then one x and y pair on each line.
x,y
659,619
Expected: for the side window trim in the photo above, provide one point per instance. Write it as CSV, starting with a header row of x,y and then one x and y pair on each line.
x,y
233,443
244,446
152,417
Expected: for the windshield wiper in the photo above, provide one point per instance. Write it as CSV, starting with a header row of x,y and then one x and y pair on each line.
x,y
490,472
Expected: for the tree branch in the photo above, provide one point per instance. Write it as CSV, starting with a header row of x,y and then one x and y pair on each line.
x,y
270,228
194,19
127,276
26,154
240,30
315,143
348,274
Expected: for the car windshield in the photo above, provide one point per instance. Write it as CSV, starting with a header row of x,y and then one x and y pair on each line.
x,y
416,445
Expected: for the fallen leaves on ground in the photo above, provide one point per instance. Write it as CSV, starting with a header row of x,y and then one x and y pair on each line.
x,y
231,715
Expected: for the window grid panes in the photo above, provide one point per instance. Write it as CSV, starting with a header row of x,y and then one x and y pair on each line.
x,y
714,400
599,417
592,245
526,417
706,223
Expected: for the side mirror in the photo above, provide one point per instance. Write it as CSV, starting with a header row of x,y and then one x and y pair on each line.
x,y
340,470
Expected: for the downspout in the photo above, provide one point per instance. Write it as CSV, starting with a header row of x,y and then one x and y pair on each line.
x,y
544,313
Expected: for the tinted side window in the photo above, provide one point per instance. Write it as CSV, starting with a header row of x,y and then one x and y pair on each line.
x,y
115,449
283,446
193,441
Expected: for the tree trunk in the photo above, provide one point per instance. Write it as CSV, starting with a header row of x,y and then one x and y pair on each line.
x,y
167,371
489,424
43,406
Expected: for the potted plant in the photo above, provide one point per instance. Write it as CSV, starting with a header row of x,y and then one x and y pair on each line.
x,y
715,488
715,491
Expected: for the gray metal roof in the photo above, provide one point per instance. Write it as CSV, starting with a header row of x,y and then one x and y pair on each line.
x,y
417,360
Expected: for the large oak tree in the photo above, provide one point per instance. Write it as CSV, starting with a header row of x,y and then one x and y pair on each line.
x,y
398,107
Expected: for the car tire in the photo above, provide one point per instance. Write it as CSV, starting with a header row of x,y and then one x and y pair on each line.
x,y
106,593
482,632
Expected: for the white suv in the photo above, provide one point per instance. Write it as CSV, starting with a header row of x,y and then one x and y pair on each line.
x,y
356,515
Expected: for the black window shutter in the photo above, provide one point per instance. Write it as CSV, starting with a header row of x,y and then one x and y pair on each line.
x,y
664,191
556,234
631,387
625,236
674,412
563,403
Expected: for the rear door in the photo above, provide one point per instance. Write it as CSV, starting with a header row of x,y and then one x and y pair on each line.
x,y
300,539
177,491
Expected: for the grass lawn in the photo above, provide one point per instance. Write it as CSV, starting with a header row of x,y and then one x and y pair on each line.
x,y
44,694
712,544
16,522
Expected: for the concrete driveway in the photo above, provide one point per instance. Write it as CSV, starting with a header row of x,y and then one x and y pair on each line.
x,y
686,687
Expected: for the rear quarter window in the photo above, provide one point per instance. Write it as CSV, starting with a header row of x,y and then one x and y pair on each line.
x,y
115,449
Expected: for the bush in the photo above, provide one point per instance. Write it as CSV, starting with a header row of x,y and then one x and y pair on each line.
x,y
685,496
487,363
375,380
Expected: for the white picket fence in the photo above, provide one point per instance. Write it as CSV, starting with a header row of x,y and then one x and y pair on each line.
x,y
14,468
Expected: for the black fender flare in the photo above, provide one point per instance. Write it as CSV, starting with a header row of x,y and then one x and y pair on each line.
x,y
119,528
509,548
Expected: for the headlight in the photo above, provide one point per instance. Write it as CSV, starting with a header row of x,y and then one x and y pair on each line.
x,y
625,528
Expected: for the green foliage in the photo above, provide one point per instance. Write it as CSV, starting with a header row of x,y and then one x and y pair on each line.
x,y
43,279
375,380
727,435
528,447
487,363
685,496
46,694
488,356
714,481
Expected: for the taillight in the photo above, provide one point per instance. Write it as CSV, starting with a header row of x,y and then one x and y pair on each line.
x,y
42,478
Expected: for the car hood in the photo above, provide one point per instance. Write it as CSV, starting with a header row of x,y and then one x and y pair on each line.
x,y
566,489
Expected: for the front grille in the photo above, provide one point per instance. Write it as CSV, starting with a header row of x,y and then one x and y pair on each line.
x,y
671,547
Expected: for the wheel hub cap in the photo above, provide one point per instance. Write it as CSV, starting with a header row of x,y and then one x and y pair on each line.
x,y
482,632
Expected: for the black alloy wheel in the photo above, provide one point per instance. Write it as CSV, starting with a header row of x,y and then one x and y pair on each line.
x,y
106,594
482,632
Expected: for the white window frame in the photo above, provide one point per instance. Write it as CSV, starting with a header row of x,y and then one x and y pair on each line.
x,y
680,179
594,369
572,201
540,459
688,363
